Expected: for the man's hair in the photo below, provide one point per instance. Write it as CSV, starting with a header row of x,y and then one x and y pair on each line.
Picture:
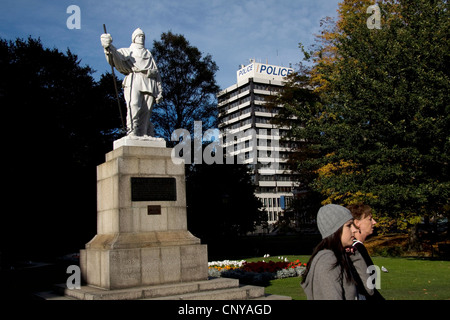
x,y
360,211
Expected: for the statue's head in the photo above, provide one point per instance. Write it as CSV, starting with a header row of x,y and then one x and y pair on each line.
x,y
138,36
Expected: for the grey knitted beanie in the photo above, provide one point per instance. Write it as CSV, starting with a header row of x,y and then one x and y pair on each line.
x,y
331,217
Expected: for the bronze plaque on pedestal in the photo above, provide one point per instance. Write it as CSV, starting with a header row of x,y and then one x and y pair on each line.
x,y
154,210
153,189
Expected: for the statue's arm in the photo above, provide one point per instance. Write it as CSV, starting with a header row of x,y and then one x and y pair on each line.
x,y
115,57
155,74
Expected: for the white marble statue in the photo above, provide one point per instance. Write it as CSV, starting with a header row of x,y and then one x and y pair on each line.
x,y
142,84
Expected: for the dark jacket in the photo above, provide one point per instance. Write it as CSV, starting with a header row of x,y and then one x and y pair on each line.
x,y
362,287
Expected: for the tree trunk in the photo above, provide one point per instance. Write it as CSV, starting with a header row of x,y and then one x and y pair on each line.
x,y
413,238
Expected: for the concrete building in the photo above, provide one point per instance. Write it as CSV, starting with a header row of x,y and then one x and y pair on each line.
x,y
247,132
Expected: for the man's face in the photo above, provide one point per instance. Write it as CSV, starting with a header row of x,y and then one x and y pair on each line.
x,y
366,225
140,39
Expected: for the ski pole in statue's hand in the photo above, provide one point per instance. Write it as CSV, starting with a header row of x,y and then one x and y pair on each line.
x,y
115,82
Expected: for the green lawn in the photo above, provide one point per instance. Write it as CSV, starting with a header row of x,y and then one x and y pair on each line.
x,y
407,279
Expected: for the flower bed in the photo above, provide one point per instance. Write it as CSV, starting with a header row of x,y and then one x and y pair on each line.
x,y
256,273
262,266
226,264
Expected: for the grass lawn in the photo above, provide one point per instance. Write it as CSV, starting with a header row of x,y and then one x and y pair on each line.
x,y
407,279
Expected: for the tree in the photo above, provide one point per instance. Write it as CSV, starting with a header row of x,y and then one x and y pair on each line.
x,y
382,126
300,109
60,123
189,86
221,202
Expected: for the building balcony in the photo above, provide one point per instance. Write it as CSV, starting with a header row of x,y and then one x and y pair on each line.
x,y
267,183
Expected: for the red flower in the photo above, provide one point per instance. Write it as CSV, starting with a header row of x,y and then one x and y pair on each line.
x,y
260,266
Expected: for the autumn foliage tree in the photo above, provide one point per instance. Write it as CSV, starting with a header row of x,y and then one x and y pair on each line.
x,y
380,124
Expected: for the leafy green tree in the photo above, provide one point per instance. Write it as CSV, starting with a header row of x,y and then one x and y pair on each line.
x,y
59,122
382,124
300,109
221,202
189,86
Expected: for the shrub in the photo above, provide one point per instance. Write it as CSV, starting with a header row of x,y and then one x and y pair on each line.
x,y
290,272
262,266
248,277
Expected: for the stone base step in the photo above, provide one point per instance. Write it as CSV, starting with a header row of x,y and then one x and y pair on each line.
x,y
241,293
147,292
212,289
50,295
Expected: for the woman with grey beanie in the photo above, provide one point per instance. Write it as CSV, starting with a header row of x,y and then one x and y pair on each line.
x,y
330,271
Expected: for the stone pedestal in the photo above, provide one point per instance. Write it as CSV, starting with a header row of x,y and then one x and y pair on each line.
x,y
142,237
140,142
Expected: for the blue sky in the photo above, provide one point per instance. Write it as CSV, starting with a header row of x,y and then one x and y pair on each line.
x,y
232,31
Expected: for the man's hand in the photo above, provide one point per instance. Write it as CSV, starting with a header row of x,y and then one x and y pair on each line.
x,y
106,40
159,98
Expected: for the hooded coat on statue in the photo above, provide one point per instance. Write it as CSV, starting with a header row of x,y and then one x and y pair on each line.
x,y
142,84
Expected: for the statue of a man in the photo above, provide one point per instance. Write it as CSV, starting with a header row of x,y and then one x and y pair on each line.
x,y
142,84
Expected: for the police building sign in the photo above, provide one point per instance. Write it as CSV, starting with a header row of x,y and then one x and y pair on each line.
x,y
263,71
